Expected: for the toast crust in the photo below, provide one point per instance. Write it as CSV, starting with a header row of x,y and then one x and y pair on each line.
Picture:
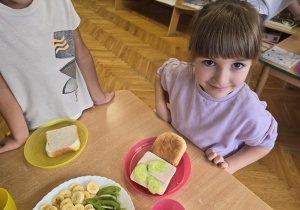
x,y
73,148
170,147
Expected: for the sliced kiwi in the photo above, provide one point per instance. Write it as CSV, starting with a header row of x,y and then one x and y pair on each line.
x,y
140,172
153,185
157,166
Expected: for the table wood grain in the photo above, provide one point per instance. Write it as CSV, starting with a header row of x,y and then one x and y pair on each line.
x,y
113,129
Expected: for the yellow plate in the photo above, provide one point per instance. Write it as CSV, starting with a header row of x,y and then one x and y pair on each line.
x,y
35,152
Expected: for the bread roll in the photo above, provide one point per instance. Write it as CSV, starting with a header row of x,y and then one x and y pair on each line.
x,y
62,140
170,147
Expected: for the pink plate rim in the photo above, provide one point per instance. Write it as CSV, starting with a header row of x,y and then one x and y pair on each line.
x,y
168,201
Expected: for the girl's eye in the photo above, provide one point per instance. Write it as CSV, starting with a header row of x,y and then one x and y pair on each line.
x,y
209,63
237,65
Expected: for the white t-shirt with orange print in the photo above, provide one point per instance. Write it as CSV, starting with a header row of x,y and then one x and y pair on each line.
x,y
271,7
38,61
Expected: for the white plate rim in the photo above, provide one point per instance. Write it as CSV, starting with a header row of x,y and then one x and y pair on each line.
x,y
124,198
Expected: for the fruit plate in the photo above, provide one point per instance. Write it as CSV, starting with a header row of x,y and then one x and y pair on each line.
x,y
182,174
124,198
35,152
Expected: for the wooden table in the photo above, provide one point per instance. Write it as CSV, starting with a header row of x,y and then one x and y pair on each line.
x,y
113,129
291,44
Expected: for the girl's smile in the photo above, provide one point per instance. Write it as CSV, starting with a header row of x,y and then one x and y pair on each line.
x,y
217,88
219,76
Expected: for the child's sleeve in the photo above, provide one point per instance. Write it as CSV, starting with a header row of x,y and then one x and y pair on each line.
x,y
167,73
267,133
165,66
75,19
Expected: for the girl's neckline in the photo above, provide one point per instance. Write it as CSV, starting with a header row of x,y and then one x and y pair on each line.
x,y
20,12
205,91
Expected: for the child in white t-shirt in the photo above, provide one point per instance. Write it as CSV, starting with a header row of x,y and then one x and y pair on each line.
x,y
46,70
270,8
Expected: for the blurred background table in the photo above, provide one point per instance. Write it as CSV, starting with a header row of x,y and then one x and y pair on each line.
x,y
291,44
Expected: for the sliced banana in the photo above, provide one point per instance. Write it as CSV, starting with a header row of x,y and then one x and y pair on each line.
x,y
79,207
74,198
77,197
77,188
57,199
89,207
66,193
68,206
92,195
72,186
65,201
45,207
86,194
92,187
48,207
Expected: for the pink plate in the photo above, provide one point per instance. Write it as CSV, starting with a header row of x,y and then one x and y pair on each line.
x,y
298,69
169,204
182,174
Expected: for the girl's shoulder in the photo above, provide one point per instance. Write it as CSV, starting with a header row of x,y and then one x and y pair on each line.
x,y
173,65
253,108
257,122
250,98
175,74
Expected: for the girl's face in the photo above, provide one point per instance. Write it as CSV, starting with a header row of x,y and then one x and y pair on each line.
x,y
219,76
16,4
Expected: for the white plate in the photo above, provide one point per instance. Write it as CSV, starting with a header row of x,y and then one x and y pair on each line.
x,y
124,198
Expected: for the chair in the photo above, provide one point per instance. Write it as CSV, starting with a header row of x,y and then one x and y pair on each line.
x,y
179,8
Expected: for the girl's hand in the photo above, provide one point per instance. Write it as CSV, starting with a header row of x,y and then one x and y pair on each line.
x,y
216,159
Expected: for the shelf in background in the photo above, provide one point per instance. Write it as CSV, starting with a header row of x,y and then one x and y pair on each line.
x,y
168,2
282,29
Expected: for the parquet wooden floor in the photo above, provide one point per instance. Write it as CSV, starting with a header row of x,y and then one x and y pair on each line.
x,y
129,45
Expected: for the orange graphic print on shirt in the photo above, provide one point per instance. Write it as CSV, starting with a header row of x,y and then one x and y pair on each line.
x,y
63,43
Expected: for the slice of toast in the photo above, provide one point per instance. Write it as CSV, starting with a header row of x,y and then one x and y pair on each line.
x,y
62,140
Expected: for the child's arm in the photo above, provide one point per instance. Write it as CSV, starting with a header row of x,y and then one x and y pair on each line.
x,y
86,64
294,8
160,101
14,118
245,156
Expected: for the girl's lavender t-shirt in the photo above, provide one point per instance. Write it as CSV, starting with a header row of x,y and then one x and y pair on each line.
x,y
224,124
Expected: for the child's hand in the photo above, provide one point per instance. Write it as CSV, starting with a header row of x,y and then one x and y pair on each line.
x,y
216,159
9,143
107,97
